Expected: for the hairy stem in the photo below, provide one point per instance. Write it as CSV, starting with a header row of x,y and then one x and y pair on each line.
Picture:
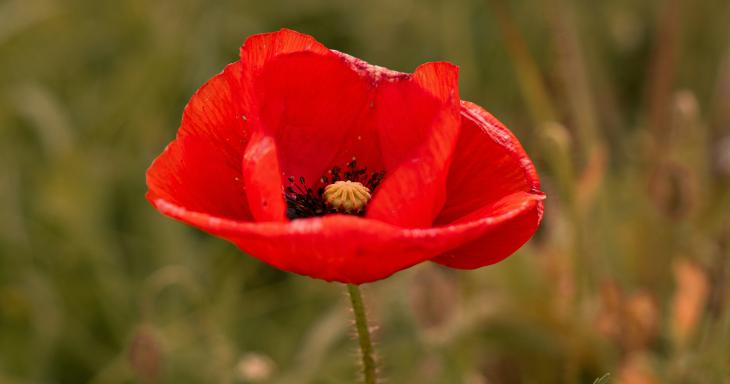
x,y
363,334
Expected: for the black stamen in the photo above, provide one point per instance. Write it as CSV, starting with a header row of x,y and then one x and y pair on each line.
x,y
308,201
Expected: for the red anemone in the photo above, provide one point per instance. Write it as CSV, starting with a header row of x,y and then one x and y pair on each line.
x,y
259,142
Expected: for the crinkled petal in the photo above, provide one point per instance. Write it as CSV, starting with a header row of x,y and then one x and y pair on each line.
x,y
201,168
345,248
306,107
312,109
417,121
260,164
488,164
313,106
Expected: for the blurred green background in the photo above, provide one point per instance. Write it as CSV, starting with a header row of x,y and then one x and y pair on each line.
x,y
624,106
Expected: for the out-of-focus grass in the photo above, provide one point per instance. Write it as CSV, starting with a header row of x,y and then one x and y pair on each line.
x,y
623,105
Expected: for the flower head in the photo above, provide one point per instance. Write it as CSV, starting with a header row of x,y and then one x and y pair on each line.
x,y
323,165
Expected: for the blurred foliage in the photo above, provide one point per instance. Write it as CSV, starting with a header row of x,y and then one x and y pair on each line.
x,y
622,104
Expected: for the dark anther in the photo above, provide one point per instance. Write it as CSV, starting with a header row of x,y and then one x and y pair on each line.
x,y
308,200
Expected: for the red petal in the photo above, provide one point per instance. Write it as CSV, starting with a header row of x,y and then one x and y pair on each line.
x,y
418,124
193,173
306,107
259,49
313,105
261,163
314,109
346,248
201,168
216,113
489,164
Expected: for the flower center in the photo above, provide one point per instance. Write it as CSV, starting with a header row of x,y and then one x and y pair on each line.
x,y
347,196
345,192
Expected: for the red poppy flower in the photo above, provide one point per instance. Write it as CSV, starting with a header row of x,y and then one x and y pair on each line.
x,y
323,165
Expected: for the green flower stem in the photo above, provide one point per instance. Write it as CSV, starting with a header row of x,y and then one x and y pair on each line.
x,y
363,334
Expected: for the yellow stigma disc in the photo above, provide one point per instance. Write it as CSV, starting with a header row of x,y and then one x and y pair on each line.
x,y
347,196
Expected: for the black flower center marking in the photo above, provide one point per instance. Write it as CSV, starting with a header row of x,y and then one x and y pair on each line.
x,y
309,200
